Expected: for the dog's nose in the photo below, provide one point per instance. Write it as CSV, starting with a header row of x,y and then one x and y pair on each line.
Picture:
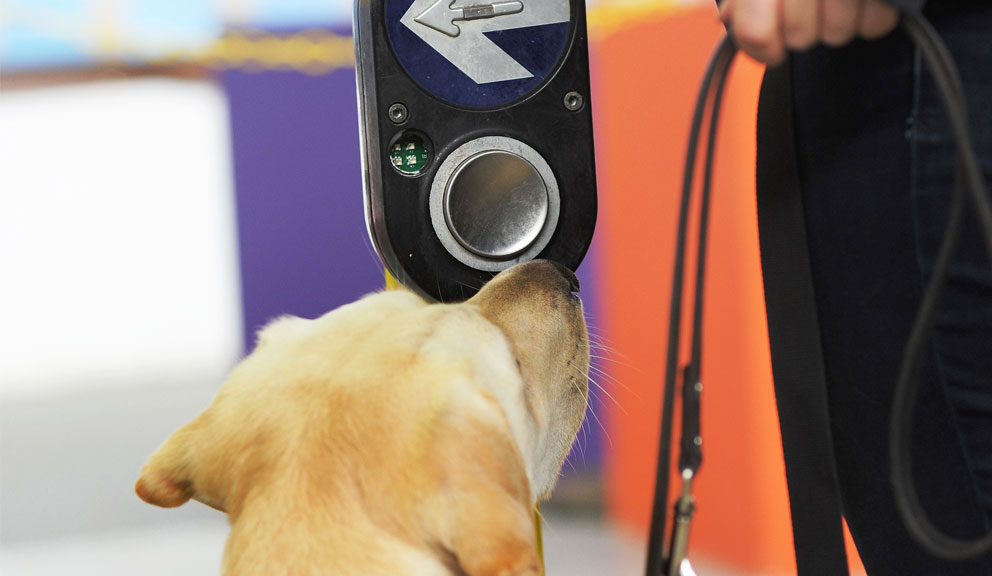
x,y
567,274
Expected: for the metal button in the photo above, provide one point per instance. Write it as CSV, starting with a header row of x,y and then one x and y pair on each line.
x,y
496,204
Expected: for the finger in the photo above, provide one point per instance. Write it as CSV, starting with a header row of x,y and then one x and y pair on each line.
x,y
841,20
756,26
877,20
726,6
800,23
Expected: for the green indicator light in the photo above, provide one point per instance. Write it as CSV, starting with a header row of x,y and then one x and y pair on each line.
x,y
410,154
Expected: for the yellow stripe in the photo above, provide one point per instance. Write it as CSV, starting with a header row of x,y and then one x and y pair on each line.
x,y
608,18
540,535
391,283
314,51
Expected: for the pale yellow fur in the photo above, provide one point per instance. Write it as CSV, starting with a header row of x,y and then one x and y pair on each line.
x,y
391,436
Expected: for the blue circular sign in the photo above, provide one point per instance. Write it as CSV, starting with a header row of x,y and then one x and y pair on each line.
x,y
479,53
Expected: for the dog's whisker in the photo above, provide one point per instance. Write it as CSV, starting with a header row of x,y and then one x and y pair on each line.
x,y
589,407
598,333
580,434
581,440
544,521
598,371
572,466
594,342
613,360
601,388
592,412
471,287
580,372
613,379
600,346
440,294
601,427
575,384
595,363
596,345
608,395
598,336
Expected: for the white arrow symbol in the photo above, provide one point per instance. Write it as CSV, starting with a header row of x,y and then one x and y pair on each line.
x,y
465,44
443,14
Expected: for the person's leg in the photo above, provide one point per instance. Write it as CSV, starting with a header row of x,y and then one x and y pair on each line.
x,y
857,148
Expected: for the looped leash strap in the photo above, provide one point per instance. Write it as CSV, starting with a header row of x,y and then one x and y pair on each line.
x,y
969,185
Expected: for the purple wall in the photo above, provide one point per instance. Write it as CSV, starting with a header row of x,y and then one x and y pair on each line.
x,y
304,248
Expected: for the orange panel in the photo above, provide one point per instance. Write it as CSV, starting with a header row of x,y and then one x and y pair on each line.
x,y
647,77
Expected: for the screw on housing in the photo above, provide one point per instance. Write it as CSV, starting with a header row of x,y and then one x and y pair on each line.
x,y
398,113
574,101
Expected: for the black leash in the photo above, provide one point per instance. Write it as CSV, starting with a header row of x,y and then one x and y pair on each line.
x,y
812,557
691,458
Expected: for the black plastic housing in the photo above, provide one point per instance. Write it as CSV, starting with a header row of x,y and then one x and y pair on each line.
x,y
397,206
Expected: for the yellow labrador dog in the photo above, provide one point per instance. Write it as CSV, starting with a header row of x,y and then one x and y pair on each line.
x,y
391,436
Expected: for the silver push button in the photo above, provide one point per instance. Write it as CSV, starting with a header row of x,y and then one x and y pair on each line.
x,y
494,202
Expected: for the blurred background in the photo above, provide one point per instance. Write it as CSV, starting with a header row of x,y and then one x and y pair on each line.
x,y
175,173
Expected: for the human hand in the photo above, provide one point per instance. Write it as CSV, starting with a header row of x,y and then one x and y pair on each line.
x,y
766,29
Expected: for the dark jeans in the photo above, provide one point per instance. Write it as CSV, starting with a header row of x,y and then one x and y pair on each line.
x,y
876,165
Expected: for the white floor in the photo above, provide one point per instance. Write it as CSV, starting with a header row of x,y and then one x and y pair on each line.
x,y
572,548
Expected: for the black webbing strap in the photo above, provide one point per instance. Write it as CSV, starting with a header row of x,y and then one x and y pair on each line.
x,y
794,332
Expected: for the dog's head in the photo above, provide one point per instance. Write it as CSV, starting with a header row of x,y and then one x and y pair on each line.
x,y
404,433
535,307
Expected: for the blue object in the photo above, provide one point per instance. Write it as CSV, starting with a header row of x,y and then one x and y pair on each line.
x,y
536,48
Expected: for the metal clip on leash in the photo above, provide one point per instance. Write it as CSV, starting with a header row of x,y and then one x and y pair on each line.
x,y
968,178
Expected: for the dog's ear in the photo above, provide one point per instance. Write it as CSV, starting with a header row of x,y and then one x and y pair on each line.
x,y
487,523
496,538
166,478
